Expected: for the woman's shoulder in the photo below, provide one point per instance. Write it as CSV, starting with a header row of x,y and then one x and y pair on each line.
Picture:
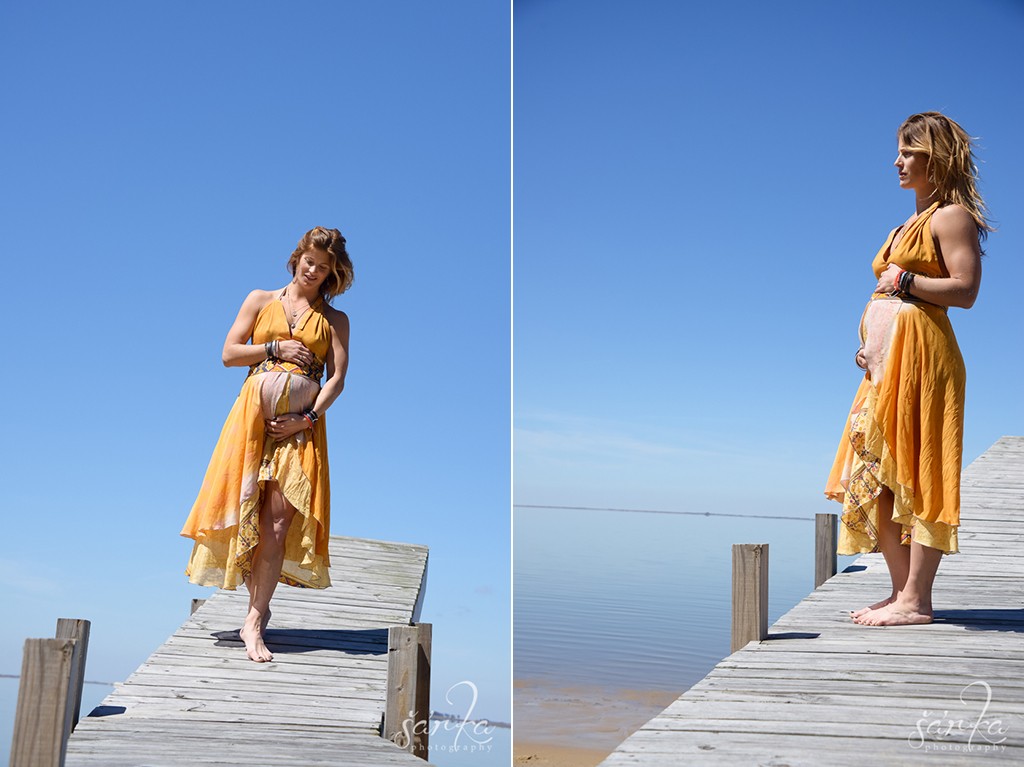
x,y
259,298
256,302
334,316
951,212
952,217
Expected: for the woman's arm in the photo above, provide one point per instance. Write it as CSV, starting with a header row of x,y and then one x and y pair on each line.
x,y
956,235
237,349
337,362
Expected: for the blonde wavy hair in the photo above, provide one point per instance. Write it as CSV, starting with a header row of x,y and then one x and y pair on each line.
x,y
951,163
332,243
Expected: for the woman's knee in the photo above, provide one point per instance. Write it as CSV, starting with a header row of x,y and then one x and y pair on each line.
x,y
276,515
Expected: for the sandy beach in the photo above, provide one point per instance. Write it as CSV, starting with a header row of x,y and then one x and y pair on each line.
x,y
578,725
547,755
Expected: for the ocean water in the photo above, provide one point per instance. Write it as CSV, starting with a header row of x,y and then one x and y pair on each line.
x,y
617,613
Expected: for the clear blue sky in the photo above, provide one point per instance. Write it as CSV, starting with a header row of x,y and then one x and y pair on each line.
x,y
160,161
699,191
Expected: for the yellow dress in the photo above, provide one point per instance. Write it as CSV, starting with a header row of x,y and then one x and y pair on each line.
x,y
224,521
905,429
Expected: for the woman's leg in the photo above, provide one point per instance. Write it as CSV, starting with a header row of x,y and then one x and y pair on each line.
x,y
914,603
897,556
276,516
247,580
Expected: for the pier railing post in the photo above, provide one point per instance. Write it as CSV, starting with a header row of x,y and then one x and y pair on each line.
x,y
77,629
50,695
40,720
407,709
826,531
749,593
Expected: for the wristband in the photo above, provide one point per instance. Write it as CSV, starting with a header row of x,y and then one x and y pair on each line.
x,y
896,283
906,280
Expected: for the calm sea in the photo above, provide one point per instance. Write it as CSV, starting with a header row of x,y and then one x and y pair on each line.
x,y
617,613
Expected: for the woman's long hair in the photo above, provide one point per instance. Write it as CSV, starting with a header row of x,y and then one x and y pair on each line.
x,y
332,243
951,164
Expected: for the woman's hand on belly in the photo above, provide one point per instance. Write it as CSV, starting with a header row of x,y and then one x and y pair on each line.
x,y
294,351
284,426
887,279
860,359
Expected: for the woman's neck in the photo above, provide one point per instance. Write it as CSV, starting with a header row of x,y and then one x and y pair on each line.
x,y
926,198
295,292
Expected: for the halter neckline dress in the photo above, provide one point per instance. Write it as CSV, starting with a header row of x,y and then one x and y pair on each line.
x,y
224,521
905,428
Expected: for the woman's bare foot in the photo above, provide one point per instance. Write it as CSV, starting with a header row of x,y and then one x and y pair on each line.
x,y
876,606
265,621
895,614
255,647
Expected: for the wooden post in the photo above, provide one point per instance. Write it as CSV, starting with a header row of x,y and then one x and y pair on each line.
x,y
40,735
77,629
749,593
196,604
825,535
423,688
407,710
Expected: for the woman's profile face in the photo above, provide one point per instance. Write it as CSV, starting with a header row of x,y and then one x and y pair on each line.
x,y
912,167
312,269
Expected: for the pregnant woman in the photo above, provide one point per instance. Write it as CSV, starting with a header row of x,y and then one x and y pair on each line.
x,y
263,512
897,470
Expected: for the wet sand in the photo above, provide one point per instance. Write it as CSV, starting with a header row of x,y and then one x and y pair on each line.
x,y
579,725
545,755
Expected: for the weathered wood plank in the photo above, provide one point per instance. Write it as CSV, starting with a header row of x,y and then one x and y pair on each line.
x,y
732,748
749,593
822,689
826,530
197,700
407,713
78,630
44,710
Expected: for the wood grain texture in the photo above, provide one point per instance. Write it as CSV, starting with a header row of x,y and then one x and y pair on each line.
x,y
826,538
820,689
77,629
407,715
197,700
749,593
43,715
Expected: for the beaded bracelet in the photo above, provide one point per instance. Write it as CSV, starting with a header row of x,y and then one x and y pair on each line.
x,y
896,283
906,279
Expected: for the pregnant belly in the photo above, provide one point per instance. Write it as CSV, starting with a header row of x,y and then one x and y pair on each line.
x,y
876,333
282,393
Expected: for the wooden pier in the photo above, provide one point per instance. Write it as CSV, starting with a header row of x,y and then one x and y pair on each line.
x,y
824,690
198,700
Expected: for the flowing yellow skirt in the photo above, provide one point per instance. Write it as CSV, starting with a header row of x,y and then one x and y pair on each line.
x,y
904,431
224,521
